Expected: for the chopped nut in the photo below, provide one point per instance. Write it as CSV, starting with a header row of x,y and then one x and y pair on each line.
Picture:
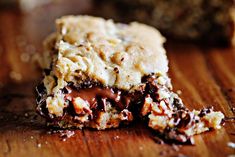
x,y
81,106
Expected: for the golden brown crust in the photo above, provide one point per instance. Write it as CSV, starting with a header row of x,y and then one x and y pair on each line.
x,y
114,54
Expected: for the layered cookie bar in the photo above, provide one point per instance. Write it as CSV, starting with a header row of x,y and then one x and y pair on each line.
x,y
101,74
199,20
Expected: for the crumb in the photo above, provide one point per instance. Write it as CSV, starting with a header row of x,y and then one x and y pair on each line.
x,y
39,145
116,137
15,76
63,134
141,148
26,115
67,134
31,137
231,144
179,92
25,57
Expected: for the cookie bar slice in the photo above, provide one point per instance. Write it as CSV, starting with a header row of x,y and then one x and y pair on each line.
x,y
93,76
100,74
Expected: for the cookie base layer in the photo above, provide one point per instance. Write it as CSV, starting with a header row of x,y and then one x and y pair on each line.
x,y
105,107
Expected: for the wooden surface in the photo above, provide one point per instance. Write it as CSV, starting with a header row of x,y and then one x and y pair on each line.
x,y
206,77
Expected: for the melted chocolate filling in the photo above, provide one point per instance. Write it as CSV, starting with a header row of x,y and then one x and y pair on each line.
x,y
95,95
98,96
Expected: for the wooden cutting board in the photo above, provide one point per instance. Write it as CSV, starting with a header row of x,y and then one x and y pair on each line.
x,y
206,77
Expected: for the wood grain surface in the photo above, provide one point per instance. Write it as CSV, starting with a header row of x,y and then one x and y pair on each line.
x,y
206,77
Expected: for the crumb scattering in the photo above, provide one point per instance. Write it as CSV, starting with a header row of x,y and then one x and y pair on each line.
x,y
116,137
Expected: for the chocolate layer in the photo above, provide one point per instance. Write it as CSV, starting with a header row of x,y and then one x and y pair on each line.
x,y
97,97
164,110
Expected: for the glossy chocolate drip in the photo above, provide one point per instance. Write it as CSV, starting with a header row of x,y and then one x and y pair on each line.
x,y
92,94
